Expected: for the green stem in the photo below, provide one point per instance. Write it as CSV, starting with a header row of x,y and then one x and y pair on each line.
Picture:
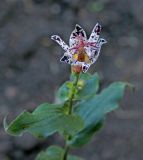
x,y
73,94
67,148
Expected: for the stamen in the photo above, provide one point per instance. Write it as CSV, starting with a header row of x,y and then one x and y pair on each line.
x,y
91,44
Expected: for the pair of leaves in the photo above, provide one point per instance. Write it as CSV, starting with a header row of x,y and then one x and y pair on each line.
x,y
44,121
89,111
55,153
87,86
92,107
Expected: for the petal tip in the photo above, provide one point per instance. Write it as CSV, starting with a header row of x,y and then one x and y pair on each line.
x,y
53,37
103,41
97,24
78,27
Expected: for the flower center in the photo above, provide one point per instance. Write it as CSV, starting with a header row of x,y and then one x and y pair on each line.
x,y
79,51
81,54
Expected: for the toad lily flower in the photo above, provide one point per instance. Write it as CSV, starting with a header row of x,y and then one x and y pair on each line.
x,y
81,53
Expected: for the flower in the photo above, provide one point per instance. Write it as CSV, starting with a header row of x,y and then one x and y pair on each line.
x,y
81,52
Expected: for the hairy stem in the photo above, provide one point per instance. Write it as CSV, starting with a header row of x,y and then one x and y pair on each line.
x,y
73,94
67,148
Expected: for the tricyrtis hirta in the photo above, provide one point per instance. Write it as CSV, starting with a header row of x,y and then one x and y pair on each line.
x,y
81,109
81,52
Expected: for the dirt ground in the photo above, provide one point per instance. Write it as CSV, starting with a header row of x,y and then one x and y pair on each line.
x,y
30,71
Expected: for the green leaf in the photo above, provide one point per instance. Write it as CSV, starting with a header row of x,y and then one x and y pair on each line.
x,y
94,109
54,153
64,91
84,136
87,86
44,121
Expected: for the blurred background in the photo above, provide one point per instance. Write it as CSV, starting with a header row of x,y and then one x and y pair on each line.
x,y
30,71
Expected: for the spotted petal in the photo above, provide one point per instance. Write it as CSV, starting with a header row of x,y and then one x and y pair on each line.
x,y
90,50
60,42
77,33
97,49
67,57
85,67
95,33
